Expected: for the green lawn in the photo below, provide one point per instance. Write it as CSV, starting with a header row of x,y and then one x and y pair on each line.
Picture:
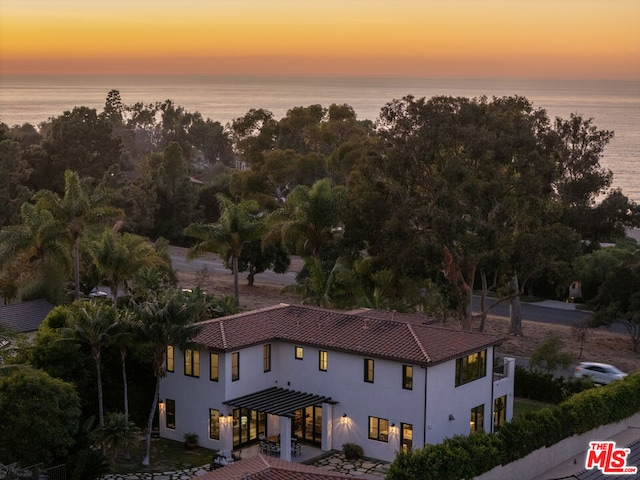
x,y
166,455
524,405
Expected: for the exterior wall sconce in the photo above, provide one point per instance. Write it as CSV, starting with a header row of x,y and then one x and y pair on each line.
x,y
451,417
393,425
161,401
344,415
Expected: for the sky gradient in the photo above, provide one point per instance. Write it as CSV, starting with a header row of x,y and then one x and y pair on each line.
x,y
420,38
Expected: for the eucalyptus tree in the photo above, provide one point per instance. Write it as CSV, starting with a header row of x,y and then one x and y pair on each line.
x,y
239,224
76,211
163,320
14,171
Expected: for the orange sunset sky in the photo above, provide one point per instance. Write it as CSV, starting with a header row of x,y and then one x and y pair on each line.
x,y
429,38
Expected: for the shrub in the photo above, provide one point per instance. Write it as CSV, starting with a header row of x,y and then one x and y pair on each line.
x,y
352,451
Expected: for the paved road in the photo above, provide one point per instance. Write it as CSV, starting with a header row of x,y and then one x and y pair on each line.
x,y
557,313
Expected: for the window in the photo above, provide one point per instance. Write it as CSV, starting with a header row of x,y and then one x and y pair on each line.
x,y
499,412
235,366
324,360
407,377
170,416
379,429
266,357
214,367
368,370
192,362
406,436
169,358
471,367
477,419
214,424
299,353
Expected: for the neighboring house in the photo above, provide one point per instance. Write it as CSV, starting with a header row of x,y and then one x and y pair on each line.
x,y
25,317
382,380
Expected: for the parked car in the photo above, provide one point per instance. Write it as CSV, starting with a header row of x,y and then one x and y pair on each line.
x,y
95,293
600,373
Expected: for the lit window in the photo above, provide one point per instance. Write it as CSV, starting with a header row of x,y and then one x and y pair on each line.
x,y
171,414
379,429
266,360
169,358
368,370
499,412
477,419
214,424
324,360
299,353
192,363
407,377
406,436
214,370
471,367
235,366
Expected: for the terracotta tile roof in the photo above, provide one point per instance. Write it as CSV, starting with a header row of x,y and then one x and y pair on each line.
x,y
25,316
417,318
362,334
267,468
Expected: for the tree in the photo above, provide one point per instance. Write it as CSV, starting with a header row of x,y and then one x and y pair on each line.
x,y
237,226
162,321
618,299
117,433
75,211
119,257
91,324
42,417
256,258
311,216
550,356
34,253
79,140
14,172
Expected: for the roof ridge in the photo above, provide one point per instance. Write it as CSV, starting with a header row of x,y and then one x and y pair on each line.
x,y
224,335
415,337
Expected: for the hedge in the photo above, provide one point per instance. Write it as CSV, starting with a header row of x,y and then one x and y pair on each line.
x,y
462,457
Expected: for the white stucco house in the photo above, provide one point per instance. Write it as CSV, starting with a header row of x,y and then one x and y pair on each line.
x,y
382,380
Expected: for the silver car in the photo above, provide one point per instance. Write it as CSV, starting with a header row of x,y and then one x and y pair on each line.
x,y
600,373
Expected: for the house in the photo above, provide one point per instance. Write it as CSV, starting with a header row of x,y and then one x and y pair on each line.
x,y
25,317
382,380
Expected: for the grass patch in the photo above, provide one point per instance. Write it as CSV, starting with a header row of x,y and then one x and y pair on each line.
x,y
522,406
166,455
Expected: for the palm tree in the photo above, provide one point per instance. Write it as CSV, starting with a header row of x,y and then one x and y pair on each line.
x,y
236,227
76,210
91,325
117,433
310,215
167,319
34,249
120,257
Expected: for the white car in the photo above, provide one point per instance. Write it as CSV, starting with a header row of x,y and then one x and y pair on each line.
x,y
95,293
600,373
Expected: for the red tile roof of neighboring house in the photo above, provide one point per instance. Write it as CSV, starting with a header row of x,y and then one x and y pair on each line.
x,y
399,339
266,468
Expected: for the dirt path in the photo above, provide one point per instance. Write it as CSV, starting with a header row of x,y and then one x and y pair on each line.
x,y
600,346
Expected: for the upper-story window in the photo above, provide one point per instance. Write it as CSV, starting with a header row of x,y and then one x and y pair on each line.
x,y
266,357
192,362
299,353
235,366
323,360
214,367
471,367
169,365
407,377
368,370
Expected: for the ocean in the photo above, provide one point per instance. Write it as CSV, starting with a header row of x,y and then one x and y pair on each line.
x,y
613,104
